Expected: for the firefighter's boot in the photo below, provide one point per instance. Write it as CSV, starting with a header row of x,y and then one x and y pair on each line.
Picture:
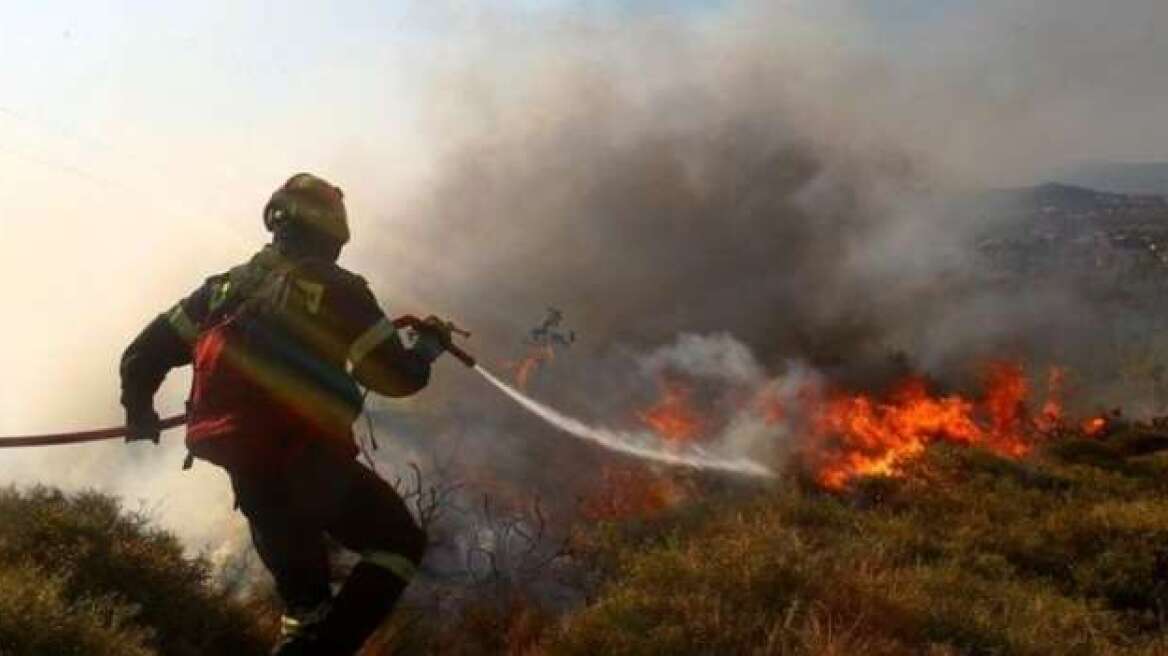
x,y
296,646
298,631
364,602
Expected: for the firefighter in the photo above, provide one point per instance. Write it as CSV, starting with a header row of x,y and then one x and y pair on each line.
x,y
279,345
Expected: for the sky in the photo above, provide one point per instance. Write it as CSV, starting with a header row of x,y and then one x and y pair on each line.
x,y
139,141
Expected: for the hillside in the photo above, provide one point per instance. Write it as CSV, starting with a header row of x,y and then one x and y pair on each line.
x,y
962,552
1111,246
966,554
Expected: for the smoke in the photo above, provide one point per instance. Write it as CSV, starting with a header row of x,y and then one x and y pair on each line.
x,y
782,175
720,194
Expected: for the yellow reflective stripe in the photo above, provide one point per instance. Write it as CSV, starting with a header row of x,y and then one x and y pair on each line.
x,y
294,625
369,340
220,294
182,324
403,567
313,295
290,626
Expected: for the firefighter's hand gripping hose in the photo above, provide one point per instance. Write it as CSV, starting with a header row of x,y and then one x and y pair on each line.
x,y
444,330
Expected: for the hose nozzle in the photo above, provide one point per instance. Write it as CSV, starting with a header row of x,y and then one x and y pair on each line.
x,y
412,322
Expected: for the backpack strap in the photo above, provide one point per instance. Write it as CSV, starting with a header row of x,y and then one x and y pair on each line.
x,y
260,282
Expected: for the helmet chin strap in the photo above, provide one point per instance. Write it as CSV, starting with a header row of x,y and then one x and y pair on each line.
x,y
295,240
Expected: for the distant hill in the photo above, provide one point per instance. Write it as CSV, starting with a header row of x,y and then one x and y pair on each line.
x,y
1070,197
1072,201
1119,177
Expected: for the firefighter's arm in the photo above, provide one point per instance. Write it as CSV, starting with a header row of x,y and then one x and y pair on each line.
x,y
163,345
383,364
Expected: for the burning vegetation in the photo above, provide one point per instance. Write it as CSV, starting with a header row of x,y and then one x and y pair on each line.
x,y
838,437
674,417
854,435
526,367
965,551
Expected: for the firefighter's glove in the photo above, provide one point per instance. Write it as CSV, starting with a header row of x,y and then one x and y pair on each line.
x,y
143,424
433,338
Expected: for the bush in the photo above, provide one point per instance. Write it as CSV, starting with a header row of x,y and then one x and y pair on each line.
x,y
36,617
83,556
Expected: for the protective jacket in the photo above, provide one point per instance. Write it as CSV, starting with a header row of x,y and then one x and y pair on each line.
x,y
278,345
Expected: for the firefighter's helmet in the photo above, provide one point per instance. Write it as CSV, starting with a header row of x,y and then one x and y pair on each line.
x,y
312,202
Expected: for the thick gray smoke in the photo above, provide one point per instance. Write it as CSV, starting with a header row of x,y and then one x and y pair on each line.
x,y
776,176
759,177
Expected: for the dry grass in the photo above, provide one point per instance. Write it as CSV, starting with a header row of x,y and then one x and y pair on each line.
x,y
968,554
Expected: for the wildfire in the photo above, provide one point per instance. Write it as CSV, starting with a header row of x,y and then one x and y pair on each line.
x,y
633,491
846,435
1094,426
857,435
528,365
1051,416
641,491
673,417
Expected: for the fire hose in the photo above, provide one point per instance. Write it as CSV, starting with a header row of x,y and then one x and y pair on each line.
x,y
83,436
406,321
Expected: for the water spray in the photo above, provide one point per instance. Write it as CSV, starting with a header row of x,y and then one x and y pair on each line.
x,y
639,444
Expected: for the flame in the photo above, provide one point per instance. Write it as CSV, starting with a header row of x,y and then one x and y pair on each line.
x,y
1005,400
673,417
845,435
633,491
639,491
854,435
1094,426
770,409
529,364
1051,415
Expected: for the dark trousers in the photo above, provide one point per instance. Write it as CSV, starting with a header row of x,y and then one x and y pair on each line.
x,y
291,510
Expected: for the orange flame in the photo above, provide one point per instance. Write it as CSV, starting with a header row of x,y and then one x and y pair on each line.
x,y
847,435
1094,426
632,491
528,365
673,417
857,435
1051,416
638,490
1005,400
771,410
